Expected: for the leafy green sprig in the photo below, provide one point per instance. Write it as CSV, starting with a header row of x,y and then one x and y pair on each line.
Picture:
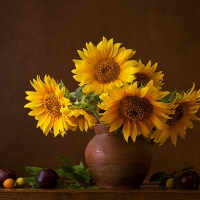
x,y
80,100
161,177
80,177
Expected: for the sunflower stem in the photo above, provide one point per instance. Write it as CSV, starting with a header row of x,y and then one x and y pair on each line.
x,y
97,116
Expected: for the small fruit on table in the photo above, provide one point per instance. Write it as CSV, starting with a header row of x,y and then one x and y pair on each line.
x,y
189,180
47,179
19,182
170,183
9,183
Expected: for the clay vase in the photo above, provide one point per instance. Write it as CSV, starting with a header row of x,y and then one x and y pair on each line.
x,y
115,163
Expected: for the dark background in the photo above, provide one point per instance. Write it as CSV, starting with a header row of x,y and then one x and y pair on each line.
x,y
43,36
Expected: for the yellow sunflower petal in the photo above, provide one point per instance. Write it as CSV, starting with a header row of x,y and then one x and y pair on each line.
x,y
126,130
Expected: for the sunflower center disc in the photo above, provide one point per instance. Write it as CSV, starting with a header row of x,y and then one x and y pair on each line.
x,y
141,79
135,108
106,70
177,116
52,104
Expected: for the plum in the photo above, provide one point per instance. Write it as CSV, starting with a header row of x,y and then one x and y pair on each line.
x,y
189,180
12,174
47,179
5,174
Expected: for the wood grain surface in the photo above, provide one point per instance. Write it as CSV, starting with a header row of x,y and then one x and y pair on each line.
x,y
146,192
66,194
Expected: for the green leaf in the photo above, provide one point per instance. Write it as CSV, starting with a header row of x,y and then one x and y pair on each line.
x,y
187,168
61,84
67,169
59,171
162,183
31,181
91,187
78,92
79,167
176,180
87,178
79,178
65,160
61,184
33,170
75,186
158,176
175,173
68,175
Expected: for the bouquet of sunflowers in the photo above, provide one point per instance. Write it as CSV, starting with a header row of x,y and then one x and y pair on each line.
x,y
114,90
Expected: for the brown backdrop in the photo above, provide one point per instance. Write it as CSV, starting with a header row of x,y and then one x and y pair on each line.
x,y
42,37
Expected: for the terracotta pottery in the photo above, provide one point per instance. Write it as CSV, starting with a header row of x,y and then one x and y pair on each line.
x,y
115,163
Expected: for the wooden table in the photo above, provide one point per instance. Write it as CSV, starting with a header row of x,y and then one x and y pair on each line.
x,y
146,192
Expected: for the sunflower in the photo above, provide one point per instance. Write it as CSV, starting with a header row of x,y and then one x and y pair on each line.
x,y
147,73
185,105
80,117
135,110
103,66
46,103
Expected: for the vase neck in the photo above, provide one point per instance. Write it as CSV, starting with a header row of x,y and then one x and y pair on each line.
x,y
101,128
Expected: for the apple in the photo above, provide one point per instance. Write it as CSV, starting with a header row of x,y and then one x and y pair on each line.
x,y
47,179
